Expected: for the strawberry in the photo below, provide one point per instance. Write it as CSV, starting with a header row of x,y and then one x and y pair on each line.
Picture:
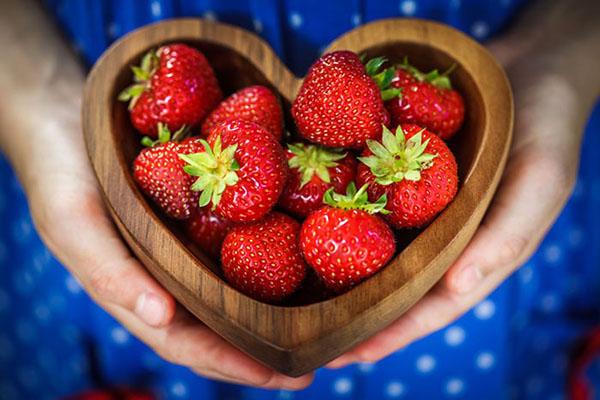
x,y
241,171
174,85
255,104
158,171
340,103
415,169
262,259
427,100
313,170
344,242
207,230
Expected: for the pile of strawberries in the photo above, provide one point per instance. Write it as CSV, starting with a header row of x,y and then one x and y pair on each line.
x,y
367,155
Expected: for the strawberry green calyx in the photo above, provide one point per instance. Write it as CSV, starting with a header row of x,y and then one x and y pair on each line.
x,y
311,159
434,77
384,78
215,169
355,200
164,135
396,158
141,77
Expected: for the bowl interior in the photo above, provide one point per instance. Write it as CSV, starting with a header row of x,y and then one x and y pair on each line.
x,y
234,72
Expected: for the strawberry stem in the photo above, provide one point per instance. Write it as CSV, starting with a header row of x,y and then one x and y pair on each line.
x,y
141,77
215,168
396,159
434,77
384,78
355,200
164,135
312,159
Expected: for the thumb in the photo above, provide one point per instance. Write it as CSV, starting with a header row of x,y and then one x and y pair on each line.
x,y
535,186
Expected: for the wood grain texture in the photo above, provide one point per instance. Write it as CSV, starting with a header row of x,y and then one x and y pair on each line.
x,y
298,339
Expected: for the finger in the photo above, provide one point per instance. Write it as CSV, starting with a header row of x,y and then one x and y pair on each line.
x,y
79,232
534,190
188,342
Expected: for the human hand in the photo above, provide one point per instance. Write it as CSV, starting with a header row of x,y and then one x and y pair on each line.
x,y
539,176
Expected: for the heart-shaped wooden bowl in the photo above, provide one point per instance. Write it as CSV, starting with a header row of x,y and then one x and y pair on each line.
x,y
295,339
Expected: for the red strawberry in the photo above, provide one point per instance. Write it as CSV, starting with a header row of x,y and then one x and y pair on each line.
x,y
415,169
313,170
174,85
340,102
207,230
427,100
255,104
241,171
159,172
344,242
262,259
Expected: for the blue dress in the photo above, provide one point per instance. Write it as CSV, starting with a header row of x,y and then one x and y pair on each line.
x,y
55,341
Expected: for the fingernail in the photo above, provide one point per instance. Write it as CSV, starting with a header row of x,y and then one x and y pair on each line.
x,y
151,309
468,279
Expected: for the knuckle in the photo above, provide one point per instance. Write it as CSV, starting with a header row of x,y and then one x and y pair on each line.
x,y
556,174
511,249
104,285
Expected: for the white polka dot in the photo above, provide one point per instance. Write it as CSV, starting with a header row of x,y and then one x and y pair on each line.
x,y
454,335
296,20
178,389
549,302
24,282
119,335
41,260
526,273
210,15
454,386
113,29
22,230
356,19
485,309
408,7
394,389
425,363
4,301
285,395
258,25
480,29
552,254
42,312
485,360
455,3
156,9
342,386
576,237
366,367
73,285
534,385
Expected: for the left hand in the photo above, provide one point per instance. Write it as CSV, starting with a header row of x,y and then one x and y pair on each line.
x,y
539,177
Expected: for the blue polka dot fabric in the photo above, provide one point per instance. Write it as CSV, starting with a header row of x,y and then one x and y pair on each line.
x,y
54,341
